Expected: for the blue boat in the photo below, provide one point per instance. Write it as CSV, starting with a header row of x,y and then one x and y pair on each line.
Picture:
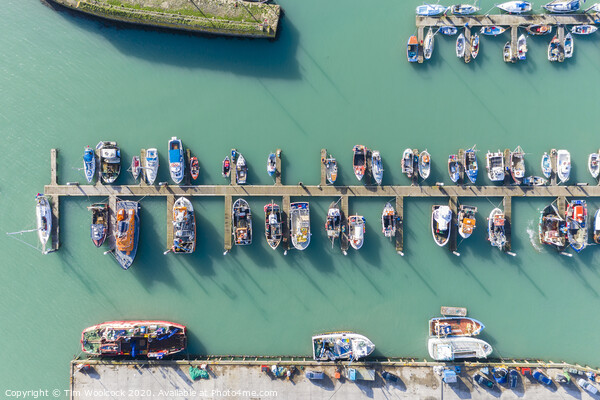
x,y
563,6
176,163
89,163
470,163
500,375
430,10
412,49
492,30
448,30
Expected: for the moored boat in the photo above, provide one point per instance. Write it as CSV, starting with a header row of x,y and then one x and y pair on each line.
x,y
517,165
333,223
583,29
466,220
300,225
43,218
448,30
377,167
388,221
271,164
99,227
474,46
562,6
546,165
534,181
428,44
594,164
597,227
341,346
136,167
441,220
522,47
226,167
460,46
150,165
463,9
128,232
152,339
241,218
184,227
424,164
552,228
89,163
359,161
555,51
539,29
563,165
273,224
454,326
569,46
412,49
577,229
453,167
356,228
515,7
241,169
507,54
470,163
176,160
456,348
497,229
492,30
331,169
430,9
408,163
495,166
110,161
194,168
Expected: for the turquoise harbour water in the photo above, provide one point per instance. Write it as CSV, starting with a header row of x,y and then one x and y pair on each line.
x,y
337,76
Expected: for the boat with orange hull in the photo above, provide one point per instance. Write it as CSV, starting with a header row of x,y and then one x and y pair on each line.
x,y
454,326
147,338
127,232
194,168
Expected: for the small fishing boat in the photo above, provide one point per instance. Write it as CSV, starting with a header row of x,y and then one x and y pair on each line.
x,y
150,165
226,167
563,165
333,223
430,10
517,165
151,339
341,346
99,227
136,167
463,9
300,225
359,161
594,164
89,163
539,29
331,169
128,232
441,220
43,218
241,217
470,163
508,53
500,375
241,169
522,47
474,46
460,46
454,326
546,165
176,160
534,181
466,220
194,168
424,164
515,7
271,164
583,29
388,221
184,227
492,30
569,46
412,49
597,227
377,167
496,229
555,51
456,348
552,228
563,6
453,167
273,225
110,161
408,161
448,30
428,44
495,166
356,228
577,229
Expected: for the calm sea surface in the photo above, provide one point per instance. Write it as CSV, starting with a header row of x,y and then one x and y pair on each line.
x,y
336,77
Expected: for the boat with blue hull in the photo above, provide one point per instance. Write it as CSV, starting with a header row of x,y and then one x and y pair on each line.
x,y
176,160
89,163
127,232
470,163
412,49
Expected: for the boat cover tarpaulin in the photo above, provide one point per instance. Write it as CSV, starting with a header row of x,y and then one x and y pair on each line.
x,y
174,156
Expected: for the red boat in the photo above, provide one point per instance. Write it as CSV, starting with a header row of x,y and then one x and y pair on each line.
x,y
194,168
151,339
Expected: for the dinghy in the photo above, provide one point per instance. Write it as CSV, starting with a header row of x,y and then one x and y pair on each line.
x,y
388,221
428,44
495,166
496,229
562,6
430,10
412,49
508,53
241,170
583,29
492,30
515,7
534,181
331,169
150,165
333,223
456,348
359,161
194,168
517,165
460,46
448,30
563,165
453,167
569,45
546,165
89,163
463,9
43,218
136,167
273,225
577,229
408,163
539,29
226,167
300,225
466,220
127,232
424,164
474,46
522,47
271,164
597,227
441,220
184,227
594,164
454,326
99,227
341,346
110,161
377,167
356,228
241,226
176,160
470,163
552,228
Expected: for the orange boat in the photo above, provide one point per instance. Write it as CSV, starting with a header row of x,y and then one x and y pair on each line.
x,y
454,326
127,233
412,49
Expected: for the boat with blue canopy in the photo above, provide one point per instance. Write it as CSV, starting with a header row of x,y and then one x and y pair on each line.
x,y
176,162
89,163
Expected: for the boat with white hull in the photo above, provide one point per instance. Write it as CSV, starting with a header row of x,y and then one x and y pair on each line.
x,y
341,346
457,348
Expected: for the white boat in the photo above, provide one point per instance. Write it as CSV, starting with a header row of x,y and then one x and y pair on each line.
x,y
331,169
534,181
428,44
522,47
496,229
515,7
508,53
300,225
517,165
341,346
241,169
455,348
466,220
430,9
184,227
597,227
241,222
356,228
460,46
333,223
176,161
424,164
583,29
388,221
110,161
441,220
377,167
43,217
408,161
89,163
563,6
569,45
136,167
546,165
495,166
463,9
563,165
150,165
454,167
474,46
271,164
555,51
594,164
448,30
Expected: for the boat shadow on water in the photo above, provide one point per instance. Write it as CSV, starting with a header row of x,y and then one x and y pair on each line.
x,y
251,57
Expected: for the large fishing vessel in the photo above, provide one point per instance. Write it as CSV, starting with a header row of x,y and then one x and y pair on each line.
x,y
99,227
151,339
456,348
176,160
241,217
341,346
273,224
110,161
128,232
552,228
184,226
300,225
